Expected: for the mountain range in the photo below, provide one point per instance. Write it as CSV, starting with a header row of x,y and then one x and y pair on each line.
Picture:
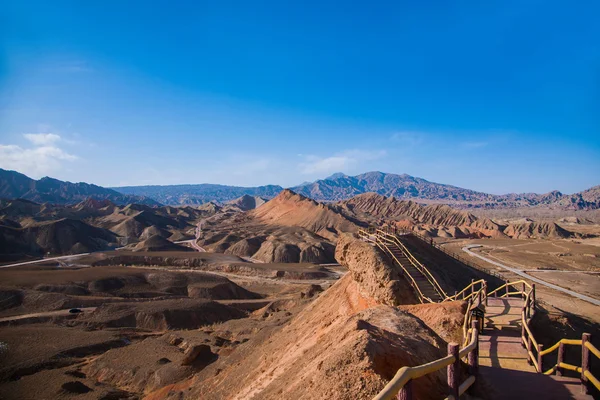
x,y
340,187
334,188
14,185
198,194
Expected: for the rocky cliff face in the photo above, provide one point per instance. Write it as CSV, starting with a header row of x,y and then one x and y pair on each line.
x,y
373,273
344,345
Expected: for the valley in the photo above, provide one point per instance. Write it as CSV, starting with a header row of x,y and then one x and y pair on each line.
x,y
259,297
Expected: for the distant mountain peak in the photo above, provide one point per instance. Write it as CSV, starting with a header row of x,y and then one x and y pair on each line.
x,y
335,176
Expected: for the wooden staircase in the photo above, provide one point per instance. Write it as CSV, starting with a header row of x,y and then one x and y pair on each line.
x,y
503,352
425,286
504,365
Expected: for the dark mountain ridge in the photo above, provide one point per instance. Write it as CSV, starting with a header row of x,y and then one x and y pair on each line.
x,y
336,187
340,186
14,185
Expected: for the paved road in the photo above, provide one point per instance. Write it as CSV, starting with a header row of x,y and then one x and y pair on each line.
x,y
583,297
193,242
45,259
45,314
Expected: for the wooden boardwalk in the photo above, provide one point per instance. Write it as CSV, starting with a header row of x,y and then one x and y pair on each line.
x,y
503,361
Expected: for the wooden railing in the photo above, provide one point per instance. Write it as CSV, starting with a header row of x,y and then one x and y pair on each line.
x,y
400,387
535,350
450,253
392,238
475,294
374,238
587,348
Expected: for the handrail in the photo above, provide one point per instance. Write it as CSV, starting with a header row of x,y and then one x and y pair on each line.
x,y
453,254
474,293
380,237
415,263
508,285
535,353
593,349
422,298
401,382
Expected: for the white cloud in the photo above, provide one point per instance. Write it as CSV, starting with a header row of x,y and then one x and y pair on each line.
x,y
42,139
42,159
343,161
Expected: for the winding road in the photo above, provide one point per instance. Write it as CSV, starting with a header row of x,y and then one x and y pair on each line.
x,y
583,297
44,260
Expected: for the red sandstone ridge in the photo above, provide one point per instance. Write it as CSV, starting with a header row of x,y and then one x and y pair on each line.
x,y
291,209
427,219
347,344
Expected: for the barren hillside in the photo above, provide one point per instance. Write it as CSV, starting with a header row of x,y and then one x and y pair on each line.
x,y
345,345
291,209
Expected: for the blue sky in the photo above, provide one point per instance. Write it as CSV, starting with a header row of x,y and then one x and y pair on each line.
x,y
494,96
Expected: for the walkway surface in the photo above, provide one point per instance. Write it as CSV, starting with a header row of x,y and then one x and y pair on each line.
x,y
503,361
420,279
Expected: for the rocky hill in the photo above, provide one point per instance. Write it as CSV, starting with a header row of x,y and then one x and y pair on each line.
x,y
247,202
377,209
63,236
31,229
346,344
536,230
292,209
15,185
587,200
340,187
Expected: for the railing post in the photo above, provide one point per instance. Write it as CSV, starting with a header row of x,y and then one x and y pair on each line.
x,y
585,361
453,370
473,358
472,287
533,295
485,292
523,291
529,360
406,392
561,357
506,287
539,357
524,314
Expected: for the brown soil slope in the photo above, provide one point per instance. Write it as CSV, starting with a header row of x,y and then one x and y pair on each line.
x,y
157,243
536,230
345,345
247,202
291,209
374,207
63,236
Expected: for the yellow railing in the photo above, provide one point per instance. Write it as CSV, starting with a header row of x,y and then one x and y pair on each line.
x,y
415,263
401,384
421,297
587,348
383,239
535,351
